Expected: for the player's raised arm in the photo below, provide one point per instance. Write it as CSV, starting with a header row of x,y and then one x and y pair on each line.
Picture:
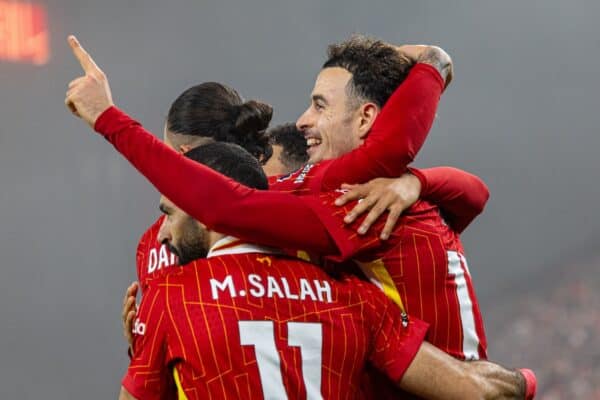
x,y
89,95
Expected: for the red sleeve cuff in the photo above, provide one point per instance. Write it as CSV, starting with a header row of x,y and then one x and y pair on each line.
x,y
422,178
346,240
107,118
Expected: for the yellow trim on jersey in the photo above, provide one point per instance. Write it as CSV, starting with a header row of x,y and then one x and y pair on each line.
x,y
301,254
380,277
180,393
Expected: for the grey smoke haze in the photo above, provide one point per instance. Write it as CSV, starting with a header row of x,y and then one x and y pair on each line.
x,y
522,113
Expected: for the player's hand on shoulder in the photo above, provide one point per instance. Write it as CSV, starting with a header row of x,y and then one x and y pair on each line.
x,y
88,96
378,196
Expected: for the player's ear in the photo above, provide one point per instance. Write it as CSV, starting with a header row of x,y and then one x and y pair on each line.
x,y
367,114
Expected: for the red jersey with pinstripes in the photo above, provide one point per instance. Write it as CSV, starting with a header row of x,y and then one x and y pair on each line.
x,y
422,264
253,325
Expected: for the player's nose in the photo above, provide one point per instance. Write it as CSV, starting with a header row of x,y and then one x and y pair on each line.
x,y
303,121
164,233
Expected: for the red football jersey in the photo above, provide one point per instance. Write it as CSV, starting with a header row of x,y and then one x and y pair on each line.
x,y
246,323
422,268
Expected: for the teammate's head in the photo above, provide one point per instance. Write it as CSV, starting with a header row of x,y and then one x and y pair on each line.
x,y
212,111
357,79
289,150
188,238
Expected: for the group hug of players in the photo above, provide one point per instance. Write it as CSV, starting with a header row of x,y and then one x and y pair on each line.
x,y
339,278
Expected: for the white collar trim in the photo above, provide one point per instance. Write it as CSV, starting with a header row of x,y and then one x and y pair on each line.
x,y
240,248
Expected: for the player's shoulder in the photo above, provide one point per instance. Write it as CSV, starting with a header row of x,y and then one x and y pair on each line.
x,y
302,178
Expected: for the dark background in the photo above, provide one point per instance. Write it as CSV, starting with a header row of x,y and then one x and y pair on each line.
x,y
522,113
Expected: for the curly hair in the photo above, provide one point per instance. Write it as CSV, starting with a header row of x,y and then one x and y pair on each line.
x,y
376,67
217,111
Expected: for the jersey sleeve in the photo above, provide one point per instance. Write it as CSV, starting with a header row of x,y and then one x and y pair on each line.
x,y
148,375
394,346
397,134
460,195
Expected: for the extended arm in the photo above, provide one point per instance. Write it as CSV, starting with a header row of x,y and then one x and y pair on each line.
x,y
218,202
460,195
433,374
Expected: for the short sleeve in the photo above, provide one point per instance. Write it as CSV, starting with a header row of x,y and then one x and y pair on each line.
x,y
394,345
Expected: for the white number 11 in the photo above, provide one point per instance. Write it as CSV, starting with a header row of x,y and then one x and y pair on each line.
x,y
307,336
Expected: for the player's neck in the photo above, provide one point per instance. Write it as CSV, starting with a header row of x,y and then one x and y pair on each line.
x,y
214,237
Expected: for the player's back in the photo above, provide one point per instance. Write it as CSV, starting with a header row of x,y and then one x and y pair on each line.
x,y
257,325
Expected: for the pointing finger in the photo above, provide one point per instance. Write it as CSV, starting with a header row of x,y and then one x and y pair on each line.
x,y
85,60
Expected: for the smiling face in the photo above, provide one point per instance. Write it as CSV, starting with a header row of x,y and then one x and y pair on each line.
x,y
186,237
327,123
335,122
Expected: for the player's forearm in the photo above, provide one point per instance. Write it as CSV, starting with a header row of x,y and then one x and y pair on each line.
x,y
435,375
432,55
397,135
218,202
497,382
461,195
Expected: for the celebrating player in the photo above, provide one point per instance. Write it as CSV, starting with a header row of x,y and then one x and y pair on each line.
x,y
439,290
248,322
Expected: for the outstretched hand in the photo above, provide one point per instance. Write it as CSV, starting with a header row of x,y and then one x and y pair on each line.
x,y
89,95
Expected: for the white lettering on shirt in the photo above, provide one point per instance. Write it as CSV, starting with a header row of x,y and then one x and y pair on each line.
x,y
273,287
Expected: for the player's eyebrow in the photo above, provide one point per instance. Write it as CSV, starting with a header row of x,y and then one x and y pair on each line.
x,y
319,97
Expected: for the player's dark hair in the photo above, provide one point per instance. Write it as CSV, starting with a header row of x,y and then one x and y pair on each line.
x,y
233,161
217,111
292,141
376,67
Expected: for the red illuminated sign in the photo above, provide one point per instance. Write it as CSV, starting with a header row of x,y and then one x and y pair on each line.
x,y
23,33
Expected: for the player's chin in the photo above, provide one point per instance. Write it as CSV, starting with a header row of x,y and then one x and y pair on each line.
x,y
314,153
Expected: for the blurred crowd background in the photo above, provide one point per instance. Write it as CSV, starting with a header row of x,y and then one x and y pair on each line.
x,y
522,113
553,323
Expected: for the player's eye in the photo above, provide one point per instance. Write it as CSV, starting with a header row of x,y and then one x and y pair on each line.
x,y
164,210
